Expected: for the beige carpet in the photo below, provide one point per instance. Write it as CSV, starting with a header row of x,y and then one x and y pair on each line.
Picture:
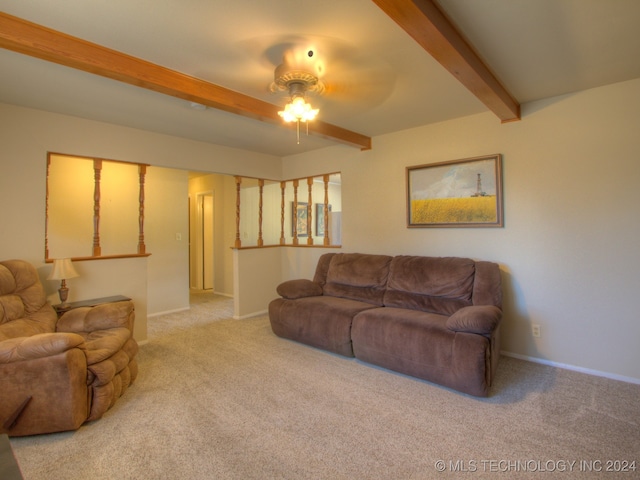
x,y
218,398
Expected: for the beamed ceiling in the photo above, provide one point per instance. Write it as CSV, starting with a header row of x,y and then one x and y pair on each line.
x,y
388,65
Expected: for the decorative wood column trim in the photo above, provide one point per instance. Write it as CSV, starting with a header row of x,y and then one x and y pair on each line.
x,y
98,165
282,187
260,190
46,212
238,243
97,170
310,212
325,208
142,249
294,214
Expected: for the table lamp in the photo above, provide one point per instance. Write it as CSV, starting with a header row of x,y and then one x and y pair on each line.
x,y
62,269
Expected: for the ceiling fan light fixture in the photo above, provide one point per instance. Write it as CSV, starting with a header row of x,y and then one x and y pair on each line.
x,y
298,110
297,83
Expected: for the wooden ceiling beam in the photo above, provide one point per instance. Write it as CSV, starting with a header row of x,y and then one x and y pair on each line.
x,y
37,41
428,25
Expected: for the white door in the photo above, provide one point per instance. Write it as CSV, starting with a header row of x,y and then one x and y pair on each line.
x,y
207,242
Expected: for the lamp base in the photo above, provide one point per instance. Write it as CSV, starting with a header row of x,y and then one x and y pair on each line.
x,y
63,292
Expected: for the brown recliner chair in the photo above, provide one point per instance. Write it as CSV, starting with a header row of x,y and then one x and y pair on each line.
x,y
58,373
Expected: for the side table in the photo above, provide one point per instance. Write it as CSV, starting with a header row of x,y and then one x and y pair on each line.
x,y
9,469
89,303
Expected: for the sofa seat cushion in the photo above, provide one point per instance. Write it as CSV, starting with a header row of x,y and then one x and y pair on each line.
x,y
433,284
322,321
358,277
12,325
405,336
420,344
21,327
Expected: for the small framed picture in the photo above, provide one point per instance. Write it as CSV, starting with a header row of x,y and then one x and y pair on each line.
x,y
320,218
299,219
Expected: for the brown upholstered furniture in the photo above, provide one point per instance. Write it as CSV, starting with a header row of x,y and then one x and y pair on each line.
x,y
433,318
56,374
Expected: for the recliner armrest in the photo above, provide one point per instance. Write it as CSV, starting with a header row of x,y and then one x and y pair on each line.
x,y
38,346
299,288
480,319
100,317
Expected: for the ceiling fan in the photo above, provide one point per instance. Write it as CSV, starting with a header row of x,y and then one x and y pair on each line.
x,y
298,77
343,78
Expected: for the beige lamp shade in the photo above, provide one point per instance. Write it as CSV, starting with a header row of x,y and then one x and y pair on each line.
x,y
62,269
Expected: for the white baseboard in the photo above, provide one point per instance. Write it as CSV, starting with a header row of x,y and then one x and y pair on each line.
x,y
157,314
254,314
214,292
574,368
222,294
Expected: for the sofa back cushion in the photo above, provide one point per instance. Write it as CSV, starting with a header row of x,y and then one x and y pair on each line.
x,y
358,276
322,268
434,284
487,285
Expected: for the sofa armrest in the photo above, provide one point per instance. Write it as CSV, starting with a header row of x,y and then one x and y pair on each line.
x,y
38,346
100,317
300,288
480,319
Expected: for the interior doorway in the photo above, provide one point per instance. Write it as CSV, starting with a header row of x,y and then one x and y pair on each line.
x,y
204,257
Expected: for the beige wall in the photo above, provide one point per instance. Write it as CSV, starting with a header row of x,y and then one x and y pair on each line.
x,y
569,249
257,274
167,239
157,283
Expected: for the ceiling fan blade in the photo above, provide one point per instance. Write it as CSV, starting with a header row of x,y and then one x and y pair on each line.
x,y
350,76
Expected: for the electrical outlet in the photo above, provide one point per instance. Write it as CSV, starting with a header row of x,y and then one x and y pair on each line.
x,y
535,329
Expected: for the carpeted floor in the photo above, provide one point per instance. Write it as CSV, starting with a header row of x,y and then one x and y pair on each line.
x,y
218,398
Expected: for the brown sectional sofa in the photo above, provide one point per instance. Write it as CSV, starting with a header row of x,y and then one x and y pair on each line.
x,y
435,318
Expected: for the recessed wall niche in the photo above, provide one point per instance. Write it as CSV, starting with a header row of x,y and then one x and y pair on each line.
x,y
94,208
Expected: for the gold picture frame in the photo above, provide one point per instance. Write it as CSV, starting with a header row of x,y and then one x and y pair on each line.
x,y
456,193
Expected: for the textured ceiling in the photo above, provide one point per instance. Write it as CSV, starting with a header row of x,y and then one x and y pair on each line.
x,y
380,79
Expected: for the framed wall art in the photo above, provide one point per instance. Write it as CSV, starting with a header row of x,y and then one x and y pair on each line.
x,y
299,220
457,193
320,218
